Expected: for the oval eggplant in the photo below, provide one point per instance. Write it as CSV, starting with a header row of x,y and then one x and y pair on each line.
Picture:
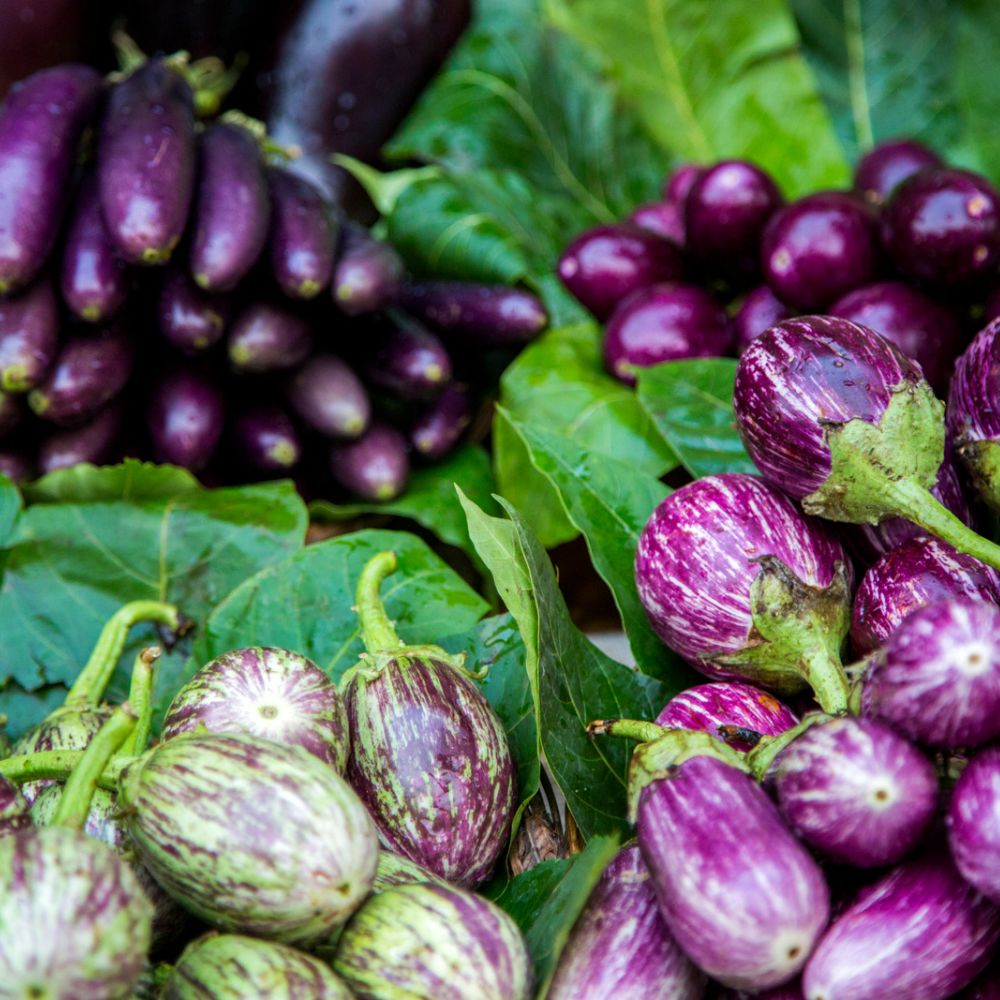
x,y
94,442
882,169
267,439
191,319
29,337
375,466
267,338
758,312
439,428
302,238
974,823
185,419
330,398
14,811
367,272
407,361
677,186
665,218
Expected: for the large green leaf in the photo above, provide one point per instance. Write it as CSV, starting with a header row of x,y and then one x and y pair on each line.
x,y
10,507
973,68
131,480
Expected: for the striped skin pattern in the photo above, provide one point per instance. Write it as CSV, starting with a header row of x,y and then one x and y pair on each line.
x,y
422,941
393,869
14,812
919,933
620,947
973,412
705,707
974,823
802,374
249,835
233,967
697,559
74,922
857,791
430,759
937,680
273,693
739,893
917,573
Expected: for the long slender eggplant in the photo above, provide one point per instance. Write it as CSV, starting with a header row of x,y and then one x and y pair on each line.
x,y
330,398
407,361
94,442
303,236
439,428
14,811
191,319
267,439
367,274
974,823
268,338
375,466
185,417
29,337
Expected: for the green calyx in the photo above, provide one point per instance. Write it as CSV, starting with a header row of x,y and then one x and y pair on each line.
x,y
761,758
982,459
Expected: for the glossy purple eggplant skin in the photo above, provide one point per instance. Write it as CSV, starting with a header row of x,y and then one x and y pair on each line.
x,y
678,184
302,238
41,121
29,337
937,678
942,227
620,946
373,467
185,418
738,892
882,169
730,704
665,218
440,426
367,272
232,208
758,312
330,398
146,162
268,338
919,933
921,571
407,361
190,319
267,439
974,823
606,264
15,813
95,442
666,322
12,413
92,279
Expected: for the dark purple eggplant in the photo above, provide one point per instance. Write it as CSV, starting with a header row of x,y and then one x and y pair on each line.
x,y
29,337
41,121
94,442
303,236
367,273
373,467
678,184
17,465
268,338
15,813
974,823
267,439
185,418
232,207
758,312
330,398
146,162
882,169
439,428
407,361
191,319
12,412
665,218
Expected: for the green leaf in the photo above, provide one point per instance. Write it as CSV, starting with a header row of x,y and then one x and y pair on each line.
x,y
973,68
714,81
691,402
20,710
10,508
131,480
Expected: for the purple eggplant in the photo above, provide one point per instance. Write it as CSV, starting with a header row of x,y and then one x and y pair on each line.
x,y
394,869
232,208
439,428
92,279
272,693
677,186
146,162
90,370
734,578
758,312
268,338
14,811
407,361
904,579
620,947
41,121
17,465
882,169
373,467
937,679
302,238
974,823
429,757
191,319
606,264
665,218
12,413
29,337
185,418
664,323
94,442
330,398
267,439
367,273
919,933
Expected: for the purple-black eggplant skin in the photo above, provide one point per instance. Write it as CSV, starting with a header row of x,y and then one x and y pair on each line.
x,y
302,238
937,678
407,361
232,207
185,418
882,169
367,272
190,319
29,337
41,121
857,791
268,338
758,312
974,823
739,893
94,442
375,466
438,429
330,398
12,413
919,933
267,439
665,218
146,162
14,812
923,570
620,946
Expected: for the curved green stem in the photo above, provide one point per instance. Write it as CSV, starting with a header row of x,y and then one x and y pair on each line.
x,y
377,630
825,674
57,765
762,757
630,729
140,697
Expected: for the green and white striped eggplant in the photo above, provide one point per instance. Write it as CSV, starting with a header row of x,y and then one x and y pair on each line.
x,y
14,810
429,756
437,941
233,967
250,835
273,693
393,869
74,922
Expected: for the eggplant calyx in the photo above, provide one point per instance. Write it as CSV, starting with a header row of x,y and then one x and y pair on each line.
x,y
761,758
982,460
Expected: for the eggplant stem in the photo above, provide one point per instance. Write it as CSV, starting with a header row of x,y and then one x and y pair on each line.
x,y
57,765
762,757
825,675
140,697
630,729
377,630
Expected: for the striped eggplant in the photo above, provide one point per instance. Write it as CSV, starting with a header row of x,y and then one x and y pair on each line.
x,y
974,823
429,757
919,933
14,811
620,946
734,578
263,691
250,835
393,869
437,941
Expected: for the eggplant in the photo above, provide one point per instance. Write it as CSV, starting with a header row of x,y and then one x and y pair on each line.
x,y
407,361
937,678
41,121
250,835
919,933
734,578
330,398
232,207
185,418
882,169
191,319
15,813
439,428
267,439
429,757
907,578
16,465
146,162
436,941
665,218
677,185
758,312
367,273
394,869
620,946
29,337
974,823
268,338
263,691
94,442
374,467
12,413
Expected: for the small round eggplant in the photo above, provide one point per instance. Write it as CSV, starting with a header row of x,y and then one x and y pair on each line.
x,y
407,361
367,273
14,811
375,466
439,428
758,312
94,442
268,338
974,823
330,398
678,184
29,337
433,941
191,319
665,218
267,439
185,419
882,169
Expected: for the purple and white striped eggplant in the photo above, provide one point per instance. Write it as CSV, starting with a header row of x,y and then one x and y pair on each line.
x,y
857,791
250,835
436,941
429,756
734,578
974,823
262,691
14,811
919,933
620,946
